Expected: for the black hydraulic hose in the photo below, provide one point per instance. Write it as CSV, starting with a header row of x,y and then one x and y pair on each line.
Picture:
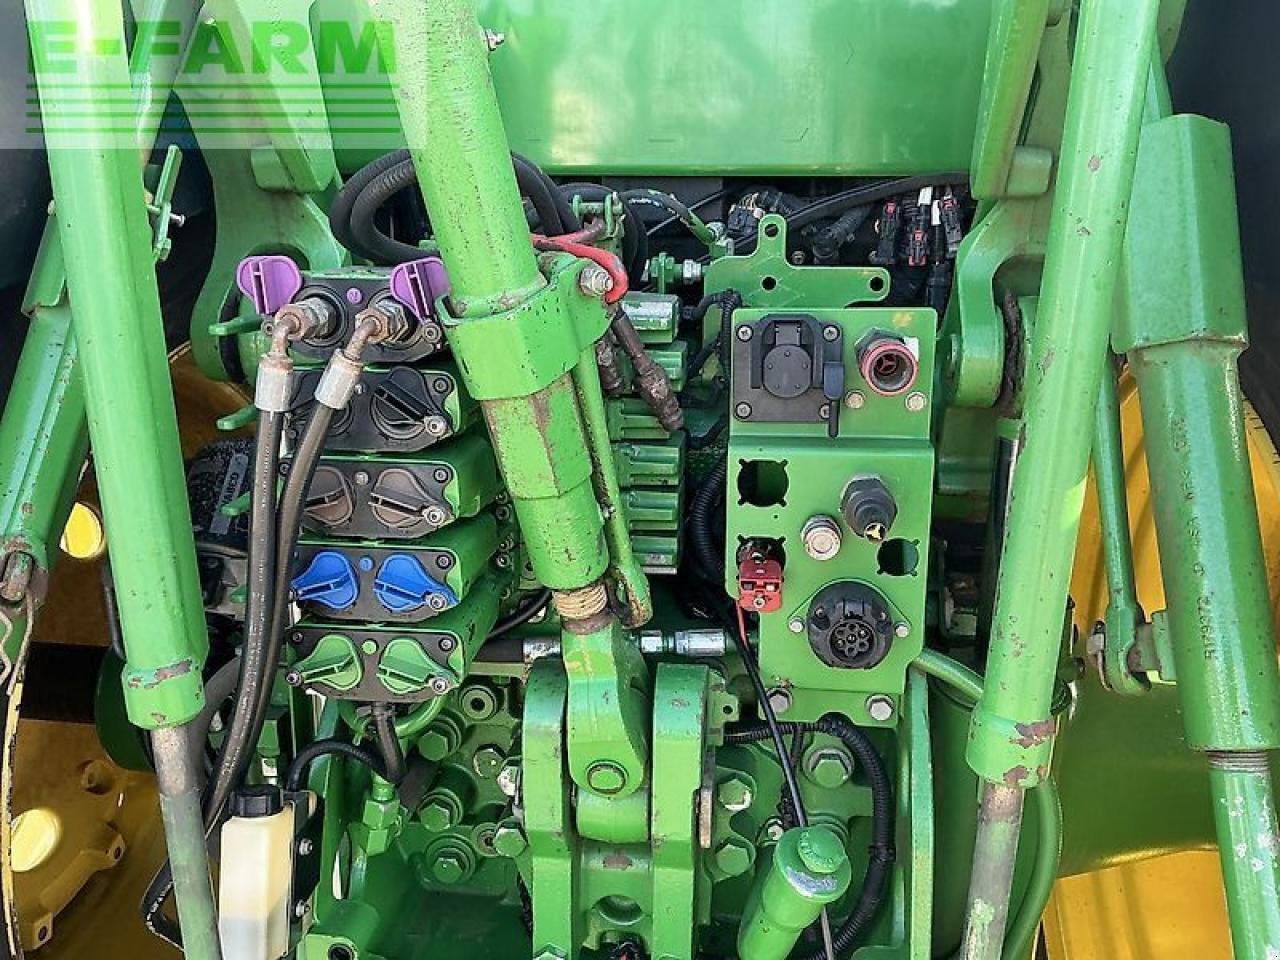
x,y
880,863
522,615
384,731
364,229
218,689
706,551
353,214
665,201
289,525
256,664
345,201
313,751
544,196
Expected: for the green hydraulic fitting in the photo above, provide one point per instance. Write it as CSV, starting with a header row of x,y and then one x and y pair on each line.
x,y
334,662
809,870
1124,616
379,819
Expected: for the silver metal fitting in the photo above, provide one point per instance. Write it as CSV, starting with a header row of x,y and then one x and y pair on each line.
x,y
822,538
694,644
338,382
691,272
594,280
880,708
274,385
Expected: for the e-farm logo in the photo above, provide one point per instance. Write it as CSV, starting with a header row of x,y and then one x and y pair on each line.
x,y
233,80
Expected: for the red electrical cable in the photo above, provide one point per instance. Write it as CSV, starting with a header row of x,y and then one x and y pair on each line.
x,y
575,245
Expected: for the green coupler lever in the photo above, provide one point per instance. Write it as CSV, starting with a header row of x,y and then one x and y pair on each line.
x,y
809,870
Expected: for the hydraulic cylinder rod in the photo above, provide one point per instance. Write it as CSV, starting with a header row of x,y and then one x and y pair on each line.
x,y
517,338
1012,730
1183,331
106,244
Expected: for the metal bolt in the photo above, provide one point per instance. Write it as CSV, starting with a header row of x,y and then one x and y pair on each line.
x,y
795,625
821,537
437,815
435,516
509,841
828,767
493,39
595,281
734,857
780,699
440,475
854,400
901,630
449,868
797,257
880,708
916,401
293,678
830,333
440,685
743,410
441,385
436,426
488,761
734,793
446,644
744,333
305,846
606,777
437,602
773,830
301,909
360,477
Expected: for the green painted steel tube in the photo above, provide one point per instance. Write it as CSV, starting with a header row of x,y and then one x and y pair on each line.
x,y
106,245
449,112
1025,922
1244,810
1012,731
1123,613
809,870
1013,47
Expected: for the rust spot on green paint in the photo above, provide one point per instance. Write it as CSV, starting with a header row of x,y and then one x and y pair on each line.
x,y
1034,734
149,681
1094,163
618,861
1016,776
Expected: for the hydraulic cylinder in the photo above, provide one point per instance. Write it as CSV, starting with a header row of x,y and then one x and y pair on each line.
x,y
1183,331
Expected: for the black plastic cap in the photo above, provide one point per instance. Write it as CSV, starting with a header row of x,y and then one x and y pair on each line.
x,y
258,801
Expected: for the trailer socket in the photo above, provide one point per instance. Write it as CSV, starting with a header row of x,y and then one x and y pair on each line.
x,y
849,626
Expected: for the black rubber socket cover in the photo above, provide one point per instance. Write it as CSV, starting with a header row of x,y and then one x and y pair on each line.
x,y
262,800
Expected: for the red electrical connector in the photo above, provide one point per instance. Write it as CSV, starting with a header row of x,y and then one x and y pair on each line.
x,y
759,582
